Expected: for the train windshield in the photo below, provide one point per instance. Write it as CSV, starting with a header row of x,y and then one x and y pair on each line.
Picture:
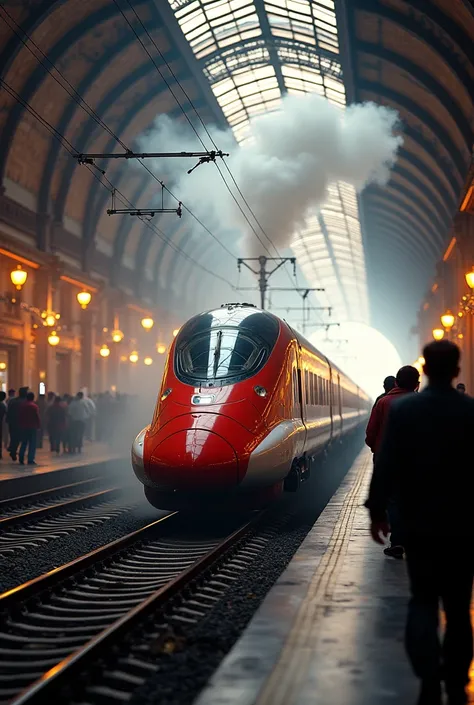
x,y
224,346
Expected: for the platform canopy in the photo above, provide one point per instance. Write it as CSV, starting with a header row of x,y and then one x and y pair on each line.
x,y
114,64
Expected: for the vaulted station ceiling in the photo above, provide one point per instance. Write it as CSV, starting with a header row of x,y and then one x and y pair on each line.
x,y
235,59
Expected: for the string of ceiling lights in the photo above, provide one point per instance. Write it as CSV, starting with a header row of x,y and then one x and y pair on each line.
x,y
51,319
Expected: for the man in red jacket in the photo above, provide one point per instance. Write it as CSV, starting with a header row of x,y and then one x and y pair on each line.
x,y
407,381
29,423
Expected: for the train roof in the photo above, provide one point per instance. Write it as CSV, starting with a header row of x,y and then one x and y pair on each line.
x,y
263,322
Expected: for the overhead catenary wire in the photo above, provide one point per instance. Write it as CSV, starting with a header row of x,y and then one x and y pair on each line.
x,y
69,147
197,133
94,115
82,103
89,110
45,62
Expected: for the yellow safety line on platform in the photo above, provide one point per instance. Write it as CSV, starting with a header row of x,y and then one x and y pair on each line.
x,y
292,668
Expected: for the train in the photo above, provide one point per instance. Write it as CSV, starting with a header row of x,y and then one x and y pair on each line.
x,y
246,404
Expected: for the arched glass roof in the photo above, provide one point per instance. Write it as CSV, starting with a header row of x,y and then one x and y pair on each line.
x,y
253,52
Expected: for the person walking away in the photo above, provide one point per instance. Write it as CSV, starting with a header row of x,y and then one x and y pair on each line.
x,y
13,411
29,422
388,384
407,380
3,413
461,388
425,459
57,420
78,414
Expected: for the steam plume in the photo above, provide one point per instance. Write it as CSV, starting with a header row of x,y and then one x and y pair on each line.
x,y
286,166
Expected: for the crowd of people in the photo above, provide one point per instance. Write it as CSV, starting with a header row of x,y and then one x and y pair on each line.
x,y
67,420
421,495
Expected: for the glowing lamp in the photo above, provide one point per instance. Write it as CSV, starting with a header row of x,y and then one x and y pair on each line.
x,y
469,278
18,277
117,335
175,332
133,357
460,336
53,338
148,361
160,349
84,299
147,323
447,320
50,320
438,333
104,351
421,360
460,314
3,365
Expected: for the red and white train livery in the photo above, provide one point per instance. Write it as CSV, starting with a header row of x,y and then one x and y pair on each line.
x,y
244,404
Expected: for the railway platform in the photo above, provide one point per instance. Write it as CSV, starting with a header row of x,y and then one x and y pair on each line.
x,y
51,468
332,628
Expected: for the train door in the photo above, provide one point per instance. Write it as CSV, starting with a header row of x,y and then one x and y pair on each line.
x,y
299,385
331,401
339,402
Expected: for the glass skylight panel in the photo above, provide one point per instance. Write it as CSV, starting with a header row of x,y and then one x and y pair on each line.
x,y
226,37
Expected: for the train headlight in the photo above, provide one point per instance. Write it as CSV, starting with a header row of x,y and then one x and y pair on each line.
x,y
260,391
166,394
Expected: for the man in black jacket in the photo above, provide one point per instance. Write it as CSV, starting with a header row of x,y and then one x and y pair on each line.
x,y
12,418
426,462
388,384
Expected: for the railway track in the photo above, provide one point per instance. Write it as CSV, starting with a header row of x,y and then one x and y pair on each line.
x,y
53,627
47,498
35,519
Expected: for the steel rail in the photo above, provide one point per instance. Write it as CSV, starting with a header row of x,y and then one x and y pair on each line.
x,y
43,494
34,514
44,688
48,580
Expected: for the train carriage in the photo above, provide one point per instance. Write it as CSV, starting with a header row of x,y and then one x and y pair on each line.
x,y
244,403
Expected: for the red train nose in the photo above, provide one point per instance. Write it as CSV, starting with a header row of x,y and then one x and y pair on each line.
x,y
194,459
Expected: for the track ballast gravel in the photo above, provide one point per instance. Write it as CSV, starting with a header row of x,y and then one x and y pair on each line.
x,y
22,566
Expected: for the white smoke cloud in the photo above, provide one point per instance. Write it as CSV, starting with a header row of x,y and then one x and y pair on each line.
x,y
286,166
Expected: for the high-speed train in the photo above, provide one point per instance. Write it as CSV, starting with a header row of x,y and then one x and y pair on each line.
x,y
245,403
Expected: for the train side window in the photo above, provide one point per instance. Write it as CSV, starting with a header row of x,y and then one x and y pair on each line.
x,y
312,389
306,386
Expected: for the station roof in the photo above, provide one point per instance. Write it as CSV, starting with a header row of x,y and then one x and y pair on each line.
x,y
231,60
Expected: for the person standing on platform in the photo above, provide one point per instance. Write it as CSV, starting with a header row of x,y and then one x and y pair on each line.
x,y
6,435
91,408
388,384
57,420
29,423
426,461
407,381
13,411
3,413
78,414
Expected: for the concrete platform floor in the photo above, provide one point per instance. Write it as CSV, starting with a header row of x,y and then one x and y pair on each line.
x,y
331,630
50,462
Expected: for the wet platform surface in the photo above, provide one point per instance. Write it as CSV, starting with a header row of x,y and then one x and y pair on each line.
x,y
50,462
331,630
